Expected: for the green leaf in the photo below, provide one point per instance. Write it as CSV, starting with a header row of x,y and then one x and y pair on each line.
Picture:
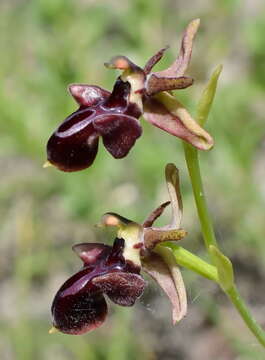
x,y
206,100
224,268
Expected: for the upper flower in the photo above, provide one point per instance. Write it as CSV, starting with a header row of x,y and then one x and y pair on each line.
x,y
74,144
114,116
79,305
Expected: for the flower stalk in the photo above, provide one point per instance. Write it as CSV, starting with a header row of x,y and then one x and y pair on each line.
x,y
192,161
189,260
224,266
244,312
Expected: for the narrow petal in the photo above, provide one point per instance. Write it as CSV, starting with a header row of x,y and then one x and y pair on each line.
x,y
171,232
165,112
121,287
180,65
155,214
155,83
119,133
154,60
154,236
90,253
88,95
170,280
74,145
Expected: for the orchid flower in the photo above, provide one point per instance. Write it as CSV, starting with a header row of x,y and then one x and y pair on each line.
x,y
114,116
79,305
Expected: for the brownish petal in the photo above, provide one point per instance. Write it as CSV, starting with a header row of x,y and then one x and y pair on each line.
x,y
154,60
170,280
180,65
171,232
121,287
156,83
165,112
90,253
155,214
154,236
119,133
87,95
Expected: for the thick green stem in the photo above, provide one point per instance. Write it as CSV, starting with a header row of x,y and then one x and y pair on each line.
x,y
192,161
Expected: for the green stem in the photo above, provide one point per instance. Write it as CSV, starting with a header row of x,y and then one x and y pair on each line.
x,y
193,165
242,308
191,156
192,262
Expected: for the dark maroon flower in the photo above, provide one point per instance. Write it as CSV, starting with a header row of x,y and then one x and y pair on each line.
x,y
74,144
79,305
114,116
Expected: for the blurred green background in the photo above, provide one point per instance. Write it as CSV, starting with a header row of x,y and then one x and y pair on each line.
x,y
44,46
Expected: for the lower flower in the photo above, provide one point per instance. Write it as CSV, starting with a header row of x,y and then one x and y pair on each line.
x,y
80,306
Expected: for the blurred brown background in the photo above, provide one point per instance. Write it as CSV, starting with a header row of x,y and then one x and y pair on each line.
x,y
44,46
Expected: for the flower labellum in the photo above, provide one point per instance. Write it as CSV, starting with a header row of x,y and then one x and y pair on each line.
x,y
114,116
74,145
80,306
